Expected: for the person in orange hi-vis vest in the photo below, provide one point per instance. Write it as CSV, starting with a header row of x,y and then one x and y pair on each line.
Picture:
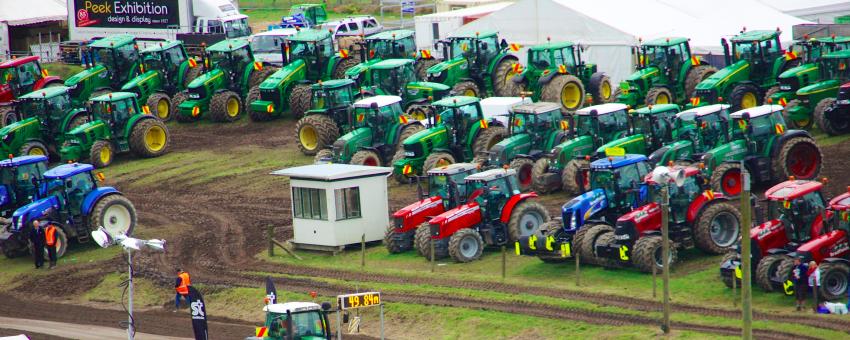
x,y
50,242
181,285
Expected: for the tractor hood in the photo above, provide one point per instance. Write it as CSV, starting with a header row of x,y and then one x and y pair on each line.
x,y
451,63
819,87
144,78
438,131
504,151
831,244
729,74
347,145
355,71
579,146
98,70
810,69
284,74
9,132
203,79
418,207
633,144
636,222
434,89
731,151
642,74
463,215
38,209
82,129
768,235
583,207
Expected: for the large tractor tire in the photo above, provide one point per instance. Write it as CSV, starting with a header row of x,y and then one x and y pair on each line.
x,y
7,115
300,100
115,213
257,77
149,138
422,66
552,228
315,132
436,160
257,116
659,95
831,127
834,277
487,138
726,179
503,84
367,158
422,242
417,112
101,154
78,120
400,178
607,238
538,170
33,148
575,178
467,88
178,99
601,89
696,75
225,106
727,280
783,275
799,157
526,219
350,43
766,269
191,74
587,245
394,244
344,65
406,132
61,245
566,90
323,155
466,245
160,105
648,252
794,124
770,92
523,167
744,96
717,228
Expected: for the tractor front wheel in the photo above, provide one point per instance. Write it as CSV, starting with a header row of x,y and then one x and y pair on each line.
x,y
538,172
160,105
299,100
601,89
799,157
503,84
606,238
61,245
323,156
257,116
467,88
149,138
466,245
575,178
792,123
783,276
648,252
587,245
225,106
343,66
834,278
766,269
367,158
33,148
422,242
566,90
744,96
551,228
717,228
422,66
178,99
257,77
406,132
115,213
191,74
395,244
696,75
315,132
831,127
526,219
436,160
101,154
523,167
726,179
659,95
7,115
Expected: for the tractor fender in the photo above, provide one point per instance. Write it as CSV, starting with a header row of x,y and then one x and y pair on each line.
x,y
94,196
777,251
35,210
71,115
43,82
699,203
133,121
512,202
463,216
777,144
503,56
546,78
836,260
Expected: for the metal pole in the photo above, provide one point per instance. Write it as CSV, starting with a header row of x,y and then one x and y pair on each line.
x,y
746,282
382,321
665,255
504,251
654,282
433,255
130,327
363,251
578,270
339,322
271,237
734,291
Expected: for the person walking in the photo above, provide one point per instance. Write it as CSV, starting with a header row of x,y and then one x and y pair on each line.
x,y
814,281
800,278
181,285
37,241
50,243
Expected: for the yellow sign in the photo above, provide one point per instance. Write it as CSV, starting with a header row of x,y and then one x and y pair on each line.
x,y
562,69
402,119
738,273
193,63
516,248
44,73
565,125
780,129
483,124
359,300
615,151
532,240
426,54
742,124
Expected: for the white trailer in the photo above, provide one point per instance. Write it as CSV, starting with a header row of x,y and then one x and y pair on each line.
x,y
433,27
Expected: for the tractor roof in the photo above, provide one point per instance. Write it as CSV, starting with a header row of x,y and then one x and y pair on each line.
x,y
702,110
790,190
537,108
391,35
840,202
389,64
689,172
110,97
380,100
117,40
757,35
832,40
666,41
162,46
17,61
602,109
479,34
21,160
657,108
617,161
277,32
47,92
452,169
456,101
228,45
490,175
333,83
67,170
843,54
552,46
757,111
292,307
309,35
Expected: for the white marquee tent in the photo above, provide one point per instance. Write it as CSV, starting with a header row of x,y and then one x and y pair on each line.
x,y
819,11
15,13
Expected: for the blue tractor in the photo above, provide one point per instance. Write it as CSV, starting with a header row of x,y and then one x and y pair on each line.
x,y
70,197
617,186
16,182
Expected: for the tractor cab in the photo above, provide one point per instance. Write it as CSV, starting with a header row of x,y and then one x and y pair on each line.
x,y
392,44
333,98
22,75
392,76
118,55
373,121
533,129
491,189
18,178
667,55
114,109
168,58
305,15
681,197
231,57
706,126
553,56
49,106
109,116
458,113
757,125
314,47
834,67
296,320
478,48
655,122
622,180
602,122
759,48
800,207
448,182
535,119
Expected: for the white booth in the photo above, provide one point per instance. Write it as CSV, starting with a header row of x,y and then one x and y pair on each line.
x,y
333,205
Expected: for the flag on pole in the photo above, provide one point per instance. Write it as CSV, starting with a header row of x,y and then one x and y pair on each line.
x,y
271,292
199,314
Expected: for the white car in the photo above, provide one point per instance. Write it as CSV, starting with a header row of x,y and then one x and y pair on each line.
x,y
267,45
354,26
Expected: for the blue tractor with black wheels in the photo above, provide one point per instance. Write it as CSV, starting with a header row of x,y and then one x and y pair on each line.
x,y
17,187
70,198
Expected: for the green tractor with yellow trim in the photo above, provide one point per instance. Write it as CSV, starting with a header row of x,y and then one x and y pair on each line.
x,y
475,65
812,101
110,62
397,77
329,115
393,44
46,115
168,69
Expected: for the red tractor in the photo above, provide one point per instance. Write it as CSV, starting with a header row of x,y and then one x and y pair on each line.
x,y
698,218
796,212
496,213
445,191
18,77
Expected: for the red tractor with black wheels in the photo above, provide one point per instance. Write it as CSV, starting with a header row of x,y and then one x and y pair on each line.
x,y
18,77
496,213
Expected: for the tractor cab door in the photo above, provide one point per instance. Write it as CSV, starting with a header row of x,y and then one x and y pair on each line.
x,y
76,189
497,194
767,51
612,125
172,59
681,198
25,187
806,217
124,60
465,117
241,60
122,110
485,51
630,190
54,115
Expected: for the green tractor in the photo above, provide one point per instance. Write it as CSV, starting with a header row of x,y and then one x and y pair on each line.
x,y
533,129
666,73
475,65
394,44
230,71
556,73
697,130
813,100
755,61
46,115
397,77
116,125
329,116
308,56
379,126
769,152
110,63
168,69
460,132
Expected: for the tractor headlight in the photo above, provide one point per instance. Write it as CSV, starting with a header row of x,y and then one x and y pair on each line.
x,y
194,95
573,222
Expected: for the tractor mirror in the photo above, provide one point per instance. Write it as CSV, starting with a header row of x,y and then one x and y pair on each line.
x,y
374,106
483,45
594,113
326,306
504,44
69,184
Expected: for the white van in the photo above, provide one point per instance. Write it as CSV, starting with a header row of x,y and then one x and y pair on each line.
x,y
267,45
354,26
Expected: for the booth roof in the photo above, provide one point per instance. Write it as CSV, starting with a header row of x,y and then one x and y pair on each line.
x,y
332,172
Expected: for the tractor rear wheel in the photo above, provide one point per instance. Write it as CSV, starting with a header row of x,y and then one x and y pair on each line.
x,y
33,148
601,89
648,252
350,43
607,238
467,88
726,179
406,132
101,154
416,112
526,219
422,240
7,115
191,74
422,66
783,275
344,65
436,160
575,178
717,228
225,106
115,213
79,119
395,244
523,167
61,245
178,99
831,127
770,92
367,158
696,75
744,96
792,123
257,77
160,106
727,280
466,245
566,90
323,155
299,100
587,245
551,228
315,132
540,168
767,269
659,95
503,73
487,138
149,138
799,157
257,116
834,280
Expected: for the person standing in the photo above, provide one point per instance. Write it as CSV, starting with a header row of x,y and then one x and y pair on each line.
x,y
814,280
37,241
800,278
181,285
50,243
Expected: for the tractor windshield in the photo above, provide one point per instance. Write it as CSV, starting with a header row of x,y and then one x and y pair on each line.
x,y
237,28
387,48
680,197
462,47
394,79
31,107
304,325
756,127
713,127
119,59
833,68
798,215
331,98
551,58
438,185
116,111
755,50
609,124
458,117
654,56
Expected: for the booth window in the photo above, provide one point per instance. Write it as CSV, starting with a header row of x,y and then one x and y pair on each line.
x,y
347,203
309,203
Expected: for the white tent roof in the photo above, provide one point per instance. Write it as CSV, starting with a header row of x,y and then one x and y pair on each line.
x,y
32,11
823,11
468,11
